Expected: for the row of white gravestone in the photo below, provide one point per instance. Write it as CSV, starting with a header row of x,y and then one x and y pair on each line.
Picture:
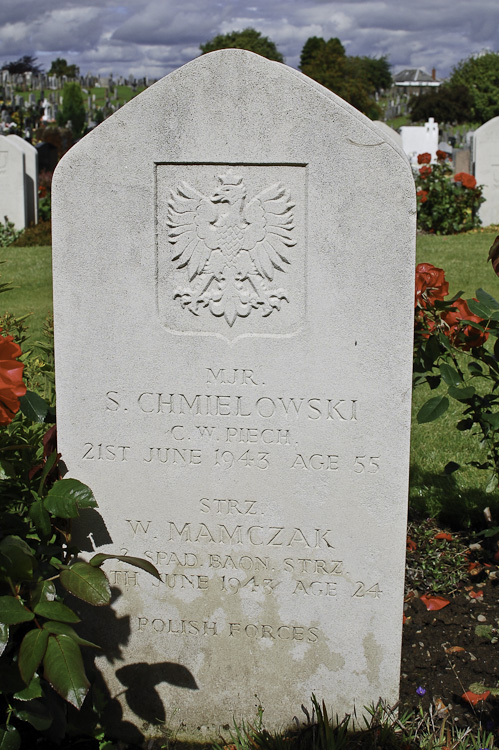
x,y
18,181
228,387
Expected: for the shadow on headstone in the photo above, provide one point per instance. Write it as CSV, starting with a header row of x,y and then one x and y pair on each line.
x,y
141,680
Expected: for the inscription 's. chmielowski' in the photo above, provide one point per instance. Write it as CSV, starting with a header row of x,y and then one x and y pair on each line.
x,y
230,248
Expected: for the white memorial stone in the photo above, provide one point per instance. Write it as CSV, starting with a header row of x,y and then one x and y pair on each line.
x,y
31,177
486,161
420,140
13,198
234,311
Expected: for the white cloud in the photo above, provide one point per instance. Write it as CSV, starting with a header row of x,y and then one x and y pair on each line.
x,y
153,37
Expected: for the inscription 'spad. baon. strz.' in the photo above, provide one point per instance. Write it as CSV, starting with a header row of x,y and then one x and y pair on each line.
x,y
233,309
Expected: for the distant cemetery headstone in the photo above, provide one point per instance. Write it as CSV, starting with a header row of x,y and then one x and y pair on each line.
x,y
30,178
486,167
420,140
462,160
13,197
229,387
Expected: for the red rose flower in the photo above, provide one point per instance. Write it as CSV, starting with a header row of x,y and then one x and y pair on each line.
x,y
442,155
425,171
424,158
465,337
11,379
422,195
466,180
430,285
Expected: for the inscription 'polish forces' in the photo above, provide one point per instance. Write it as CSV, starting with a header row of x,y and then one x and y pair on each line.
x,y
230,248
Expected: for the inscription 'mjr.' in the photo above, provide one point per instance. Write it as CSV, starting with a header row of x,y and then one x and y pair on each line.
x,y
230,248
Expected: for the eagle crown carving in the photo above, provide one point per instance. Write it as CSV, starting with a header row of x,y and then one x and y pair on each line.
x,y
231,247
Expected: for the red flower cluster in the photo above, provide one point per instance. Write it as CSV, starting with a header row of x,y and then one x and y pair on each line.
x,y
430,285
11,379
422,195
466,180
442,155
425,171
424,158
466,337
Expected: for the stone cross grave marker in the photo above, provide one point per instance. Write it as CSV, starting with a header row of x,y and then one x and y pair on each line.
x,y
13,197
486,168
233,282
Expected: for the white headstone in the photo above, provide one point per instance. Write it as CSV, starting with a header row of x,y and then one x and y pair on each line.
x,y
420,140
486,161
31,177
13,198
233,311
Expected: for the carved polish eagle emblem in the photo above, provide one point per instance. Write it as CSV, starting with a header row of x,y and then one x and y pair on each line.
x,y
230,247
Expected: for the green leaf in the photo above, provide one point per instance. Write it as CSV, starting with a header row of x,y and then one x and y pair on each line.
x,y
10,739
40,518
483,311
475,368
7,470
12,611
137,562
433,409
56,611
487,299
492,484
34,690
4,637
86,582
35,712
492,419
62,628
31,653
484,631
18,558
34,407
461,394
44,591
63,669
450,375
67,497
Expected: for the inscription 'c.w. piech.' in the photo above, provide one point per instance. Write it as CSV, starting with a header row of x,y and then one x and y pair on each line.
x,y
230,248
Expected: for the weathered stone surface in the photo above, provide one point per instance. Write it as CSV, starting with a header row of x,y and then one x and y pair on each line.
x,y
233,280
13,202
386,130
486,161
30,177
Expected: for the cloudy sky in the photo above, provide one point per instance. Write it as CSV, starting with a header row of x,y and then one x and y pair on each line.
x,y
153,37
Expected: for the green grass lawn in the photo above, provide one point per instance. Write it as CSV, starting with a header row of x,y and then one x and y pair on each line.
x,y
458,498
29,271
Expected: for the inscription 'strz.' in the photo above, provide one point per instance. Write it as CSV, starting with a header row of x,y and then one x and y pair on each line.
x,y
229,247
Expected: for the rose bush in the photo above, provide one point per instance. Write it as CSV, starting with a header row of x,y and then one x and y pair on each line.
x,y
450,354
445,205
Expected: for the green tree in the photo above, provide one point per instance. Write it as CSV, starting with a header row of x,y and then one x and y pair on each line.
x,y
328,64
60,67
73,108
377,72
249,39
480,75
450,103
25,64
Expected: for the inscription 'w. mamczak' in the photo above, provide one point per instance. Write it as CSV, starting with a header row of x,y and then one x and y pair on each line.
x,y
229,247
